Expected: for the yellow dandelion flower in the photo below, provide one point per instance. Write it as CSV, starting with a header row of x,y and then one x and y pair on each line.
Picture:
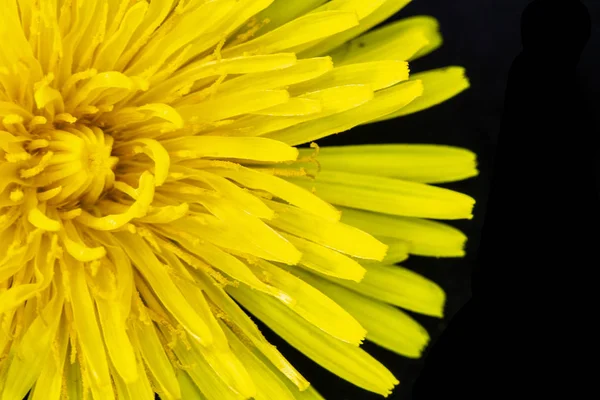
x,y
149,182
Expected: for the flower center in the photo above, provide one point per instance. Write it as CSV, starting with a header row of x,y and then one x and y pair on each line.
x,y
69,166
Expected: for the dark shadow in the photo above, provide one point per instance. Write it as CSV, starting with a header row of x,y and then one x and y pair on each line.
x,y
540,230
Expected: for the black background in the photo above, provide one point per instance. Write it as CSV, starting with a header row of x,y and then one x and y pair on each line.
x,y
484,37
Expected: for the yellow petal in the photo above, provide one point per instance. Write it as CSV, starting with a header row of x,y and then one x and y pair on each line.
x,y
73,380
440,85
412,162
377,74
281,12
224,107
205,377
76,247
401,287
327,261
380,14
385,102
398,251
188,26
40,220
139,389
87,326
268,384
345,360
294,107
154,272
166,214
252,235
302,70
43,266
259,149
312,305
243,65
301,30
102,83
239,13
332,234
243,323
244,200
111,49
159,155
216,363
406,39
228,369
386,325
27,359
333,101
425,238
145,195
189,390
291,193
117,340
230,265
49,384
388,196
152,350
308,394
361,8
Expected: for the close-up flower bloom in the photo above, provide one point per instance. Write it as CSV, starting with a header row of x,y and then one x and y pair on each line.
x,y
151,186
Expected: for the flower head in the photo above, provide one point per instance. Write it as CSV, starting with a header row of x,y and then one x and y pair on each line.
x,y
149,177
